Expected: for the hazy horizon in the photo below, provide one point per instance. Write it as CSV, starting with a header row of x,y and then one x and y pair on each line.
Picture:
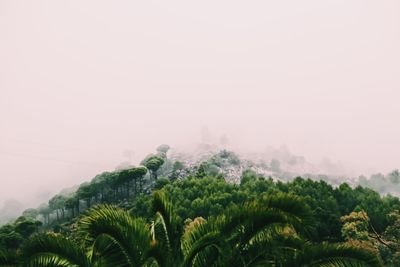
x,y
87,85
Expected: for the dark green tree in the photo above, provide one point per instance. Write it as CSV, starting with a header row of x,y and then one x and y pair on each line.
x,y
153,164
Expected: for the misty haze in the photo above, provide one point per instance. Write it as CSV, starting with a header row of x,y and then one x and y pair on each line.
x,y
212,133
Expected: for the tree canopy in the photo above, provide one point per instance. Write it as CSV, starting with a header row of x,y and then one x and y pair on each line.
x,y
169,211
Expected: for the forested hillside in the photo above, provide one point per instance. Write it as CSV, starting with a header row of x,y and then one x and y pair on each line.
x,y
216,211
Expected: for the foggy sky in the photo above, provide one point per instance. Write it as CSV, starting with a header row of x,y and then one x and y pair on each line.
x,y
82,83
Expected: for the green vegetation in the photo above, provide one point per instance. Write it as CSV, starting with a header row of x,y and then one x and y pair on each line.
x,y
257,233
167,214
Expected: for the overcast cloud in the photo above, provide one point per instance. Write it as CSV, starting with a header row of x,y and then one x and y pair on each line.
x,y
83,82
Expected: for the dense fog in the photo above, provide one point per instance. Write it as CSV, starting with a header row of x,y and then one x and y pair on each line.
x,y
87,86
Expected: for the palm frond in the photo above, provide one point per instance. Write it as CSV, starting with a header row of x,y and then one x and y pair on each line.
x,y
204,251
156,256
248,232
166,225
266,248
244,223
48,260
53,249
296,212
115,235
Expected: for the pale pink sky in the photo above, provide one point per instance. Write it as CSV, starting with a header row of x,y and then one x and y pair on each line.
x,y
83,81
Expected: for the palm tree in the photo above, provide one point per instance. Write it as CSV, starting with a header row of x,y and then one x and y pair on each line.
x,y
263,233
110,237
255,234
245,234
53,250
115,238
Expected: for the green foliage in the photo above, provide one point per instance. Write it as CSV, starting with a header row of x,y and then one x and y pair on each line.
x,y
26,227
178,169
154,163
355,226
116,238
12,235
333,255
259,222
53,250
30,213
267,231
210,196
8,258
229,156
